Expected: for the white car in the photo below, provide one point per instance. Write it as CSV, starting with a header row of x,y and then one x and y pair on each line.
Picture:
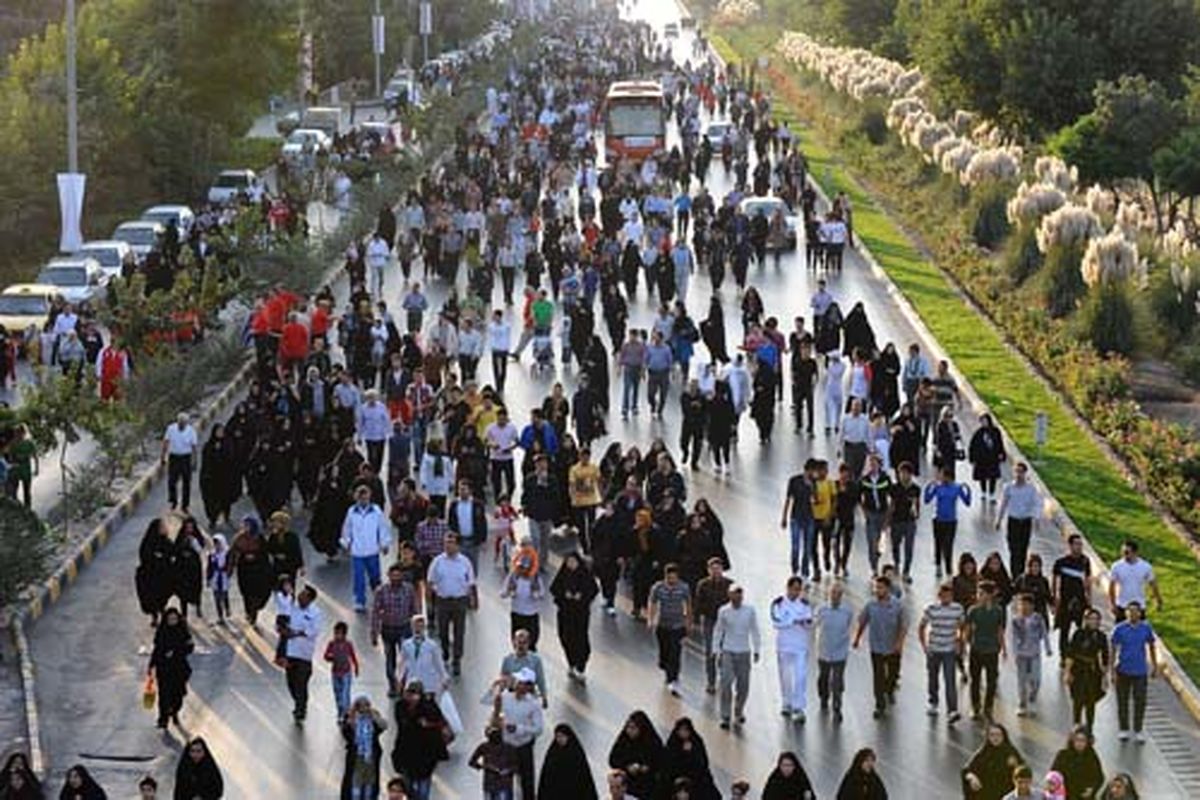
x,y
114,256
78,280
671,30
716,132
306,140
229,184
143,236
752,206
183,216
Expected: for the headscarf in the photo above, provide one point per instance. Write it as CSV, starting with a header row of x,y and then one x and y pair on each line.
x,y
253,525
1055,786
364,731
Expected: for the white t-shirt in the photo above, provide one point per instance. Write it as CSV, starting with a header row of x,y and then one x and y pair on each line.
x,y
1131,580
180,442
502,440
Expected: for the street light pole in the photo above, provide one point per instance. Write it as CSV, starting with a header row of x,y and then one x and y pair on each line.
x,y
72,94
378,48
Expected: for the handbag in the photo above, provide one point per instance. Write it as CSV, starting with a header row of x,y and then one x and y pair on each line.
x,y
149,693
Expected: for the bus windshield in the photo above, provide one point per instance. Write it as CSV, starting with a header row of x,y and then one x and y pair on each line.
x,y
635,119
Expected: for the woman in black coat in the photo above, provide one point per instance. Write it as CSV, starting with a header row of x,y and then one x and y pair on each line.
x,y
988,775
421,735
17,781
722,421
788,781
829,330
220,475
861,781
906,439
169,665
310,455
986,453
362,731
947,442
885,381
283,547
638,751
198,777
329,512
80,785
595,367
566,772
154,578
685,756
631,264
857,333
1082,774
712,331
573,589
762,405
189,546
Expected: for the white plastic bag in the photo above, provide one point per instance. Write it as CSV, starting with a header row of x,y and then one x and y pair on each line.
x,y
450,712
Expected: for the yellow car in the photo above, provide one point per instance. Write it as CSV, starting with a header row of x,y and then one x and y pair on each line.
x,y
26,304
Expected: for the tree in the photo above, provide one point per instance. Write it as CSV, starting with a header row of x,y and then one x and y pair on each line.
x,y
24,549
860,23
1177,168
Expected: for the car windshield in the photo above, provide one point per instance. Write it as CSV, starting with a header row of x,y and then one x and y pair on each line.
x,y
160,216
64,276
231,182
107,256
137,236
23,305
767,207
302,137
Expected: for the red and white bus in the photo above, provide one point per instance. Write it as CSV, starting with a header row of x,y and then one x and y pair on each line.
x,y
635,122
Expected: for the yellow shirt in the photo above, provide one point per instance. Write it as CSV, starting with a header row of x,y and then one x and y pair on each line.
x,y
484,417
822,500
584,480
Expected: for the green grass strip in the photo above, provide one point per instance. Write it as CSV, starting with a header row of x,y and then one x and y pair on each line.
x,y
1090,489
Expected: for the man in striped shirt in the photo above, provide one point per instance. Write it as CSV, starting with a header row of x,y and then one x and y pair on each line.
x,y
940,633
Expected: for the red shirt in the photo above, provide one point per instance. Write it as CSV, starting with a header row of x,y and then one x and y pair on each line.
x,y
320,321
294,342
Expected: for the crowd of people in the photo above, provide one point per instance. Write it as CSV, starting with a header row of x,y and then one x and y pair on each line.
x,y
378,420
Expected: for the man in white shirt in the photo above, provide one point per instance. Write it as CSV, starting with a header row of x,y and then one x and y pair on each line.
x,y
373,426
304,626
377,257
367,534
499,336
736,639
451,582
792,618
1022,502
502,439
421,660
1128,580
522,721
179,446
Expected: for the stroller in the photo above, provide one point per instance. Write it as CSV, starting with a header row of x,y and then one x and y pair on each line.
x,y
543,351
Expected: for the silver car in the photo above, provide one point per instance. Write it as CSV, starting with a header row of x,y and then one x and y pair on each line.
x,y
752,206
78,280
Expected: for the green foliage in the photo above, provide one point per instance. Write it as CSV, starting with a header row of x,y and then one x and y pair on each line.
x,y
1133,118
860,23
24,550
1022,257
872,124
1187,359
1106,319
1171,300
987,214
1177,167
1063,286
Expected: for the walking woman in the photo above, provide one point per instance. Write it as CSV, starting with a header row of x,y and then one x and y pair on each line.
x,y
17,781
198,777
712,331
220,476
988,775
283,548
169,665
947,442
638,752
362,730
250,561
1120,787
762,405
862,781
788,781
722,422
421,737
1087,660
80,785
153,578
685,757
189,547
566,772
573,589
1077,762
986,453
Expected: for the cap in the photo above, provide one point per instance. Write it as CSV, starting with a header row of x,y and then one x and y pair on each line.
x,y
525,675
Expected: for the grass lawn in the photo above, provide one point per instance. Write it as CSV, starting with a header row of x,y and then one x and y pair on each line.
x,y
1090,489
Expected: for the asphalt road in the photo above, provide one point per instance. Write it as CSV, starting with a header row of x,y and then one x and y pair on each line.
x,y
90,649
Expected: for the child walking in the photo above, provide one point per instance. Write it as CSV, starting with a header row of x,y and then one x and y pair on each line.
x,y
218,576
1029,638
503,531
343,661
285,599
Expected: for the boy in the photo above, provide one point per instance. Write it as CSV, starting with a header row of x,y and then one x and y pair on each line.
x,y
498,762
285,599
1029,637
343,661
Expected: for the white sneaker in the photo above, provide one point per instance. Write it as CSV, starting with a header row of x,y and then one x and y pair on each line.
x,y
673,688
1123,736
610,610
1139,737
931,710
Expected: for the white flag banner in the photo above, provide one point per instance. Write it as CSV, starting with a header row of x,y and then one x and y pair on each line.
x,y
70,201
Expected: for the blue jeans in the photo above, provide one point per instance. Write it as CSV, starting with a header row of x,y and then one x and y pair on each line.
x,y
419,788
341,692
803,535
942,665
629,394
903,533
362,569
498,794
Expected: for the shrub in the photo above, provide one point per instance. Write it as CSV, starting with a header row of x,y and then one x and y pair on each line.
x,y
1064,286
872,124
1106,318
987,214
24,550
1022,258
1187,359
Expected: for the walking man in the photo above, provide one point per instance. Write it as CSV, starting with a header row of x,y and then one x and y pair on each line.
x,y
1022,502
1071,584
884,618
179,448
632,361
984,635
712,592
379,252
1135,660
792,618
874,493
670,610
797,516
834,622
1129,578
304,626
451,582
367,534
373,426
737,639
395,604
940,634
421,661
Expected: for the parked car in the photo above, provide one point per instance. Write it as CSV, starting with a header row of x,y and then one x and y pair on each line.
x,y
78,279
25,305
322,118
183,216
115,257
769,205
229,184
306,140
287,123
143,235
401,90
